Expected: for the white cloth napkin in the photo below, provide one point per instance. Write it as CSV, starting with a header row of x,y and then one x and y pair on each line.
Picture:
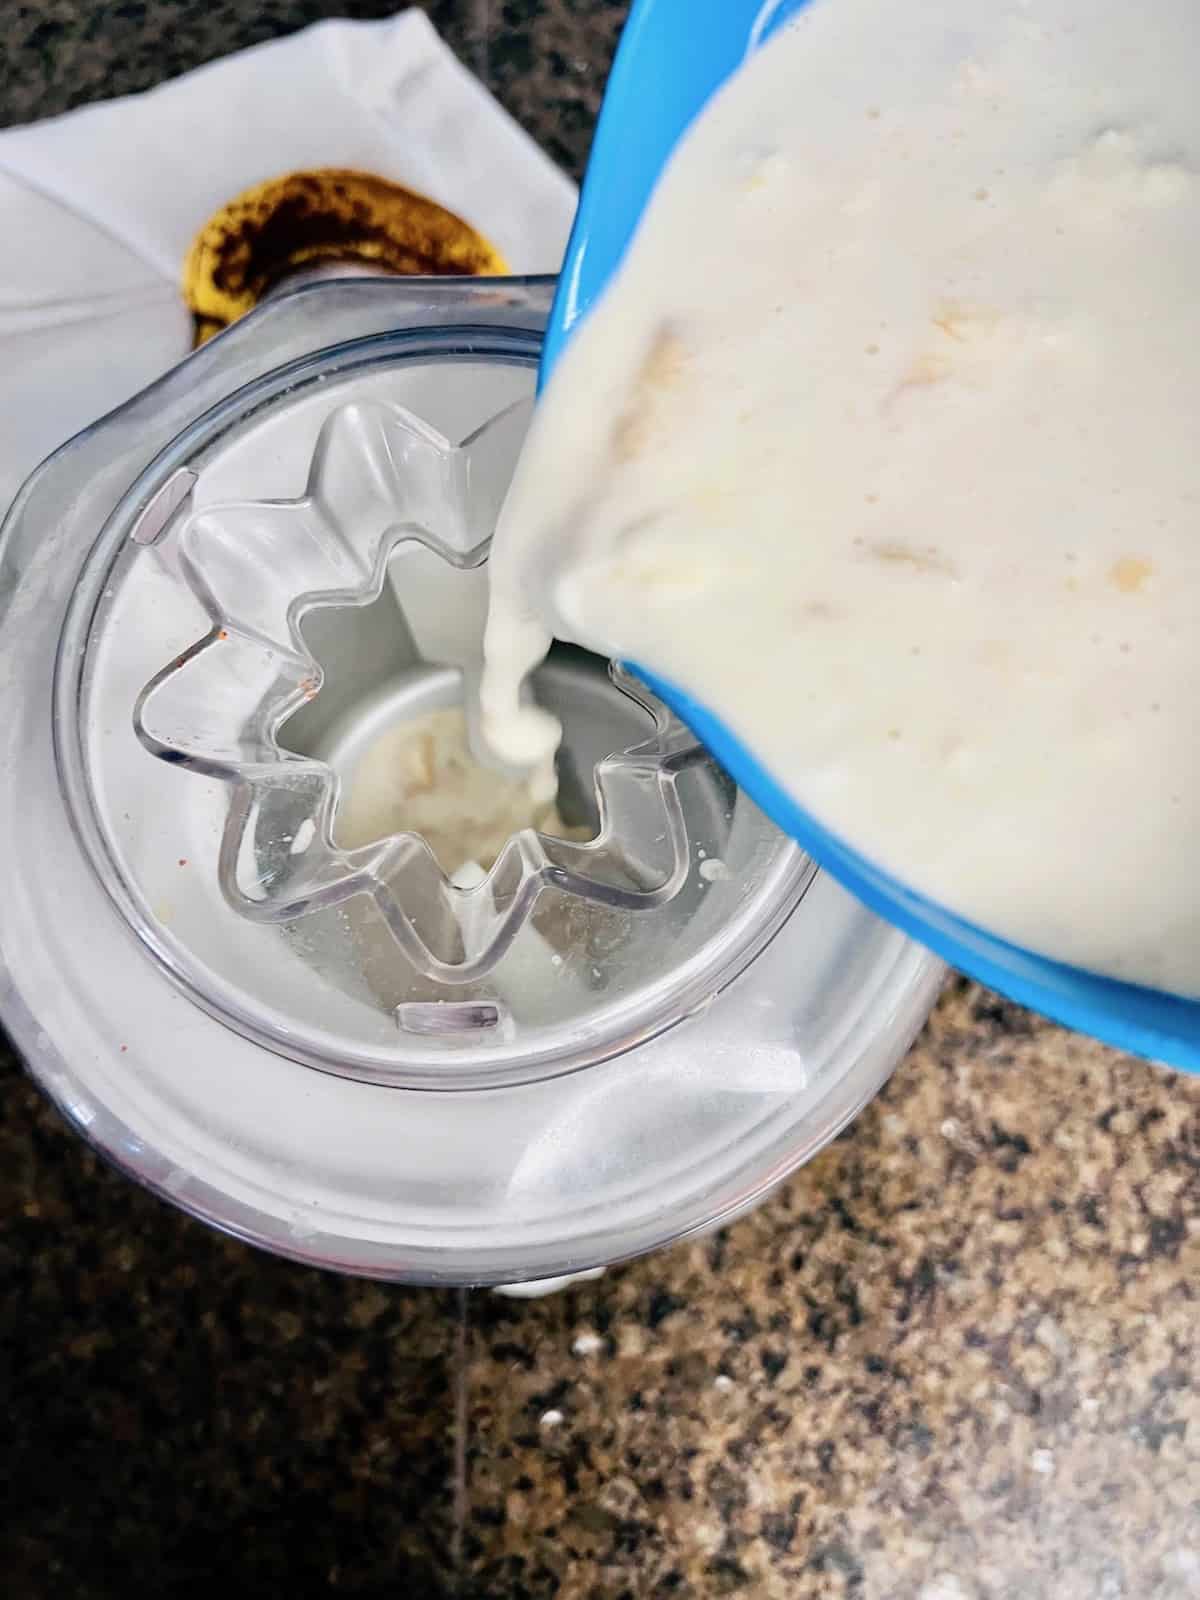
x,y
99,207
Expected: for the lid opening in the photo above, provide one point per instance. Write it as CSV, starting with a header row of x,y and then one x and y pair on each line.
x,y
296,648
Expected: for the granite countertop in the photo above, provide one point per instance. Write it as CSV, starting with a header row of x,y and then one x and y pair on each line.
x,y
954,1359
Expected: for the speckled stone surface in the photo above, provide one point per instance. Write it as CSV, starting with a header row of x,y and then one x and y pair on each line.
x,y
955,1359
546,60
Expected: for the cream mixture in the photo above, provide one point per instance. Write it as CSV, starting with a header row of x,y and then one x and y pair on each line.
x,y
420,777
885,444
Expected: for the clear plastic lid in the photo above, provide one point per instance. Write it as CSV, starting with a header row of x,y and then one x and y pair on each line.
x,y
253,577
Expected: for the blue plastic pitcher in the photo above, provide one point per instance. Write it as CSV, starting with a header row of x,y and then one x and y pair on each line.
x,y
674,55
